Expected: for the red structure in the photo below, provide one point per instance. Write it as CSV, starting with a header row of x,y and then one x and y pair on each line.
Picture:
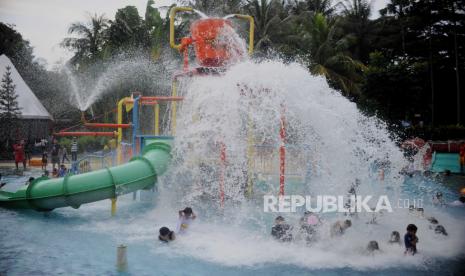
x,y
106,125
209,49
82,133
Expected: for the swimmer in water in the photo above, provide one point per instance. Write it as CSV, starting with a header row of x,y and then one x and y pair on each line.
x,y
166,235
440,230
340,227
308,224
411,240
438,199
186,216
395,238
372,246
281,230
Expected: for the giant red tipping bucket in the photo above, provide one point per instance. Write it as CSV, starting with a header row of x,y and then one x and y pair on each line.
x,y
209,48
209,39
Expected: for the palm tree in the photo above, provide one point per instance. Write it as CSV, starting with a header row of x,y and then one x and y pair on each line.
x,y
358,25
397,9
91,37
320,40
324,7
267,16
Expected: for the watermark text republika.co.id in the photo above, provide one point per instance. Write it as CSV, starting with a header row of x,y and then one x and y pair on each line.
x,y
333,203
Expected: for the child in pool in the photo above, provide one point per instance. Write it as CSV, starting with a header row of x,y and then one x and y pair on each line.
x,y
166,235
44,160
338,228
411,240
186,216
281,230
395,238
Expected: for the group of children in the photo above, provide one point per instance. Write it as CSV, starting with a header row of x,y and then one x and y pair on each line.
x,y
58,154
308,225
283,232
186,217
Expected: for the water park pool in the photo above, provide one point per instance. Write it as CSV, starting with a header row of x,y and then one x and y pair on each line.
x,y
83,241
243,128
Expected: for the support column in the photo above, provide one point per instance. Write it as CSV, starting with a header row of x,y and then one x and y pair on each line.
x,y
282,153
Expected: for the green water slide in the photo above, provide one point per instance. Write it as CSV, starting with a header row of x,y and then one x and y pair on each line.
x,y
45,194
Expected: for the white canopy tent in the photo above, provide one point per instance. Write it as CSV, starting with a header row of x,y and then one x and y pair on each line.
x,y
31,107
35,122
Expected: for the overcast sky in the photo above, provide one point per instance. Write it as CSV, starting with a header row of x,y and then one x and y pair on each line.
x,y
44,22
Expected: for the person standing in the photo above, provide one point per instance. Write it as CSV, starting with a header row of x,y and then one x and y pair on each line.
x,y
19,154
54,153
43,144
411,240
28,150
44,160
74,149
64,153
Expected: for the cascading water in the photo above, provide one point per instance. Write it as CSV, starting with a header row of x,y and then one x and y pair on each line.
x,y
331,145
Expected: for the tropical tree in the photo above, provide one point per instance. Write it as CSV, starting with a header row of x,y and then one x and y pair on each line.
x,y
326,7
397,9
320,40
128,30
218,8
268,15
156,27
88,45
9,107
358,27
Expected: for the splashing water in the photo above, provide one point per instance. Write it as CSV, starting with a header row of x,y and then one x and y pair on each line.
x,y
327,135
330,144
76,98
133,72
339,142
201,14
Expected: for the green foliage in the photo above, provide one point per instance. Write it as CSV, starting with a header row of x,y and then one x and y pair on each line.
x,y
91,143
408,61
393,88
88,46
9,108
85,143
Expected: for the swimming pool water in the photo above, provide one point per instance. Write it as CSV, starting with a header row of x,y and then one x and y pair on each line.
x,y
84,241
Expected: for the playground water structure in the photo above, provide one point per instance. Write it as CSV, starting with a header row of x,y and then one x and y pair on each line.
x,y
228,132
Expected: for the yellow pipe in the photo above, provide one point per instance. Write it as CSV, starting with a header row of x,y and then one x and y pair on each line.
x,y
113,206
120,130
173,12
173,107
251,29
157,119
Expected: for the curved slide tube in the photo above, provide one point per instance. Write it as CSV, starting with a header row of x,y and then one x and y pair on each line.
x,y
45,194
